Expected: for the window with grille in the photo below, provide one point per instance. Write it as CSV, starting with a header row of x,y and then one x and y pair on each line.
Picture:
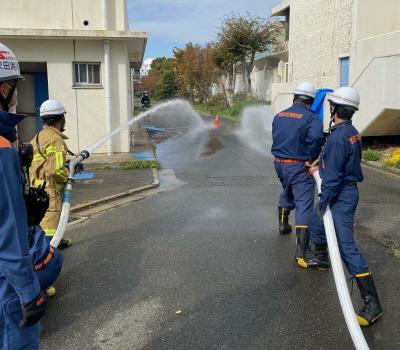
x,y
86,74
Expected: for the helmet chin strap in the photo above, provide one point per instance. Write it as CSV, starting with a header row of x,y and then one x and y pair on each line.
x,y
5,102
333,112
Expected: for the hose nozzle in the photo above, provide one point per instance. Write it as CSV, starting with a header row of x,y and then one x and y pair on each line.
x,y
84,154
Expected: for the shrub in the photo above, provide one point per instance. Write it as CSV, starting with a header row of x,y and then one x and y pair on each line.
x,y
371,155
216,101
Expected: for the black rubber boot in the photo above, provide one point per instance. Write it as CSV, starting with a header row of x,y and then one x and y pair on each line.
x,y
64,244
302,245
372,310
320,258
283,219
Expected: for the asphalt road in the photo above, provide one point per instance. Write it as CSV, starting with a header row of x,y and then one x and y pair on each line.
x,y
201,266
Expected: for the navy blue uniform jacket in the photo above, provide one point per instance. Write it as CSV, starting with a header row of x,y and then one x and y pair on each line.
x,y
340,162
297,133
16,264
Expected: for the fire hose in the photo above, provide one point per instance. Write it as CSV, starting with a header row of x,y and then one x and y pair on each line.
x,y
340,280
67,196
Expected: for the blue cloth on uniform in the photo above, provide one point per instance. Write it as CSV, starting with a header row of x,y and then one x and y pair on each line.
x,y
298,190
318,104
40,248
297,133
340,170
18,282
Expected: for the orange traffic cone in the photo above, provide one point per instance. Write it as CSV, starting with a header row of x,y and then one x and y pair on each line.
x,y
216,120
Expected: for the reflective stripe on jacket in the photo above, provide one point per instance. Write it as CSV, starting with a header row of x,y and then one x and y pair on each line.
x,y
49,164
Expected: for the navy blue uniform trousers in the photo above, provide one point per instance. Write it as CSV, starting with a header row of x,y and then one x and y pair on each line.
x,y
298,190
343,209
13,337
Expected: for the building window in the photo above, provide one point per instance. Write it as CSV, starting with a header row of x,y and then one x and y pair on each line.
x,y
344,71
86,74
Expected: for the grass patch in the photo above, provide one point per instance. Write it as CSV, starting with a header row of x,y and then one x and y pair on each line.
x,y
371,155
233,112
391,163
394,251
140,164
104,168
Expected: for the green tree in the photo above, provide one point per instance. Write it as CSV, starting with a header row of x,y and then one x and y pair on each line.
x,y
161,81
241,37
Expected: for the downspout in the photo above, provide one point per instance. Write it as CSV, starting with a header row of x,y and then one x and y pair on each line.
x,y
107,78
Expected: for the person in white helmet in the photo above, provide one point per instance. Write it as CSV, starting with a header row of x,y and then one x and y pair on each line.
x,y
297,135
48,165
340,170
22,303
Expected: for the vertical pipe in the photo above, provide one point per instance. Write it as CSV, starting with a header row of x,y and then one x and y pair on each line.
x,y
107,78
108,95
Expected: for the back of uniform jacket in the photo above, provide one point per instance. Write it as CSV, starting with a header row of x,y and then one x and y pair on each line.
x,y
297,133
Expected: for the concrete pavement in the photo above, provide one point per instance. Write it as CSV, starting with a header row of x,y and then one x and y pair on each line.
x,y
111,181
210,249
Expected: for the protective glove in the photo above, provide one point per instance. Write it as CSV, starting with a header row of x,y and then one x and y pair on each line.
x,y
320,210
78,168
33,311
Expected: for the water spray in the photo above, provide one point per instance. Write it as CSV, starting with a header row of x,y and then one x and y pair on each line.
x,y
340,280
67,193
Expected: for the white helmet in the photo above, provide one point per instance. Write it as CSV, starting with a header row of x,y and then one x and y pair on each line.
x,y
51,108
9,67
345,96
305,89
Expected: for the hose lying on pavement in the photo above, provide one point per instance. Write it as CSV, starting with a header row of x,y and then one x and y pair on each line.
x,y
340,280
66,205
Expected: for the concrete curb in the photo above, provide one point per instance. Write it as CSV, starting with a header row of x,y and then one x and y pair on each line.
x,y
156,183
378,166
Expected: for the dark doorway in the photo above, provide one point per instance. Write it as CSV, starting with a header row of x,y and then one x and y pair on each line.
x,y
32,92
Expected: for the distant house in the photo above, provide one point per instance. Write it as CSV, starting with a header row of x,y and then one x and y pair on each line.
x,y
146,66
82,53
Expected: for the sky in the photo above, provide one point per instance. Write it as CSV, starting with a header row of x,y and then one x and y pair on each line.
x,y
173,23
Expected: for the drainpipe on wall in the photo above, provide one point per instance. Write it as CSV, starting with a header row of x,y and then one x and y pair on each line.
x,y
107,78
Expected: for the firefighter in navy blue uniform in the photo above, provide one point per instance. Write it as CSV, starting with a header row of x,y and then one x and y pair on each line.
x,y
340,171
22,301
297,135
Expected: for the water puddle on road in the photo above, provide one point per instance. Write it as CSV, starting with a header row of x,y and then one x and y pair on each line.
x,y
213,146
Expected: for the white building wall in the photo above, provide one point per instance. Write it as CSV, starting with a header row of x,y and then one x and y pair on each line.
x,y
86,110
262,78
62,14
375,66
320,33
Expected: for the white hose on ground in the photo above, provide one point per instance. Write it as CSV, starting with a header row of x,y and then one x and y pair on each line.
x,y
66,205
340,280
